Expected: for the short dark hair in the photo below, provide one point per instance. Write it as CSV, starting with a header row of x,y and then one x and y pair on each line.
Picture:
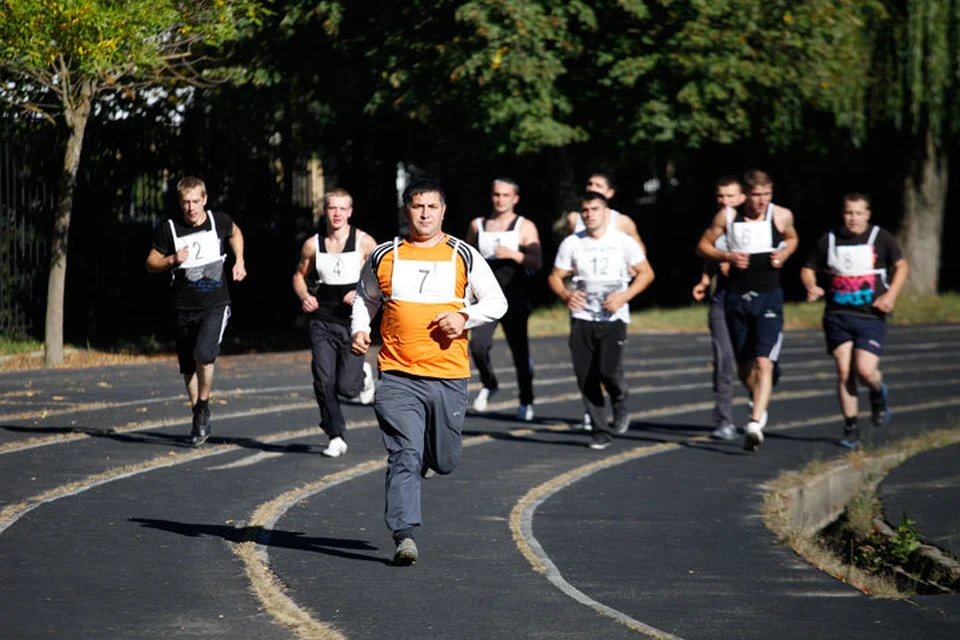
x,y
757,178
606,176
590,196
516,187
855,196
423,185
728,180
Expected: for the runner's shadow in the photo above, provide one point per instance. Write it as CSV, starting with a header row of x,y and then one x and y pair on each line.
x,y
340,547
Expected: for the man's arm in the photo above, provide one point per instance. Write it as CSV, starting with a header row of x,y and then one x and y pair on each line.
x,y
808,276
236,245
529,256
783,219
473,233
487,300
626,224
700,289
308,255
366,303
641,280
888,300
158,263
707,250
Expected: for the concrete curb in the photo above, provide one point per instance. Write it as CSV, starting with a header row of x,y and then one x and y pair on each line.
x,y
820,500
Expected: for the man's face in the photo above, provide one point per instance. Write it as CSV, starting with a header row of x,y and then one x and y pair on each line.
x,y
856,216
337,210
425,215
759,197
504,197
599,184
594,214
730,195
192,202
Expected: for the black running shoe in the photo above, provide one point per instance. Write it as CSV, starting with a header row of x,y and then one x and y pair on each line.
x,y
851,437
201,424
879,407
601,440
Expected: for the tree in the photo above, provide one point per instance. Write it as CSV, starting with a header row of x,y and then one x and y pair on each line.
x,y
916,82
59,56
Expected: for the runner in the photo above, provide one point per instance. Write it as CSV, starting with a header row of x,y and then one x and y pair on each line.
x,y
193,250
729,194
858,259
511,244
326,282
760,238
432,287
600,260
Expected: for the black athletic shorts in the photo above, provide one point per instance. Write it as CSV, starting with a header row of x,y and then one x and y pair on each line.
x,y
199,333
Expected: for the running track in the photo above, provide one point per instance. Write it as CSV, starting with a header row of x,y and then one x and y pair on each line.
x,y
111,526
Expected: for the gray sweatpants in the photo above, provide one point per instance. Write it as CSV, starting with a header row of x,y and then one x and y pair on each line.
x,y
723,364
420,423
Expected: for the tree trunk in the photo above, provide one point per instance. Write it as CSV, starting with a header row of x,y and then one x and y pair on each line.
x,y
924,202
76,116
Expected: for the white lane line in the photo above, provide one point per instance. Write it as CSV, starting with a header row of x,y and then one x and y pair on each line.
x,y
249,460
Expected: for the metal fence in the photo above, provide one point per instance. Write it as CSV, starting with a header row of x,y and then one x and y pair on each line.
x,y
26,205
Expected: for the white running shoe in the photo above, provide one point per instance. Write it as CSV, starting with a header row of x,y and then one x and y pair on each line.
x,y
525,412
482,399
587,425
754,437
336,448
763,420
369,385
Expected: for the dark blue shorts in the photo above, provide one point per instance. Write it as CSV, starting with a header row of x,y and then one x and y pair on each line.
x,y
867,334
199,334
755,322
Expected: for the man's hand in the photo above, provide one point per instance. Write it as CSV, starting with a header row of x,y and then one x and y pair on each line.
x,y
885,303
577,301
181,255
239,271
309,304
740,260
777,259
699,291
614,301
814,293
348,298
450,323
361,342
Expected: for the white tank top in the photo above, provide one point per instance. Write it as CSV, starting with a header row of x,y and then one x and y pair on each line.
x,y
487,241
423,280
339,268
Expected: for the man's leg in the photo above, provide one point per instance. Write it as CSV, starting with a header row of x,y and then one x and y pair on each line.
x,y
213,322
760,384
402,416
610,369
325,366
514,325
846,383
723,375
481,343
584,357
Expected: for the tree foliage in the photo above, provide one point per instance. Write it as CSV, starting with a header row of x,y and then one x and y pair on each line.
x,y
57,56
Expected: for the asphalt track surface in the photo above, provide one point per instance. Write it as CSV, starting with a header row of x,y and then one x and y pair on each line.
x,y
112,526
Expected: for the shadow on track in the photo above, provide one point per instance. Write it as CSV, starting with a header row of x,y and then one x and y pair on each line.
x,y
340,547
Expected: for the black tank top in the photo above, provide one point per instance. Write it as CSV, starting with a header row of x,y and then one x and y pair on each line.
x,y
760,276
